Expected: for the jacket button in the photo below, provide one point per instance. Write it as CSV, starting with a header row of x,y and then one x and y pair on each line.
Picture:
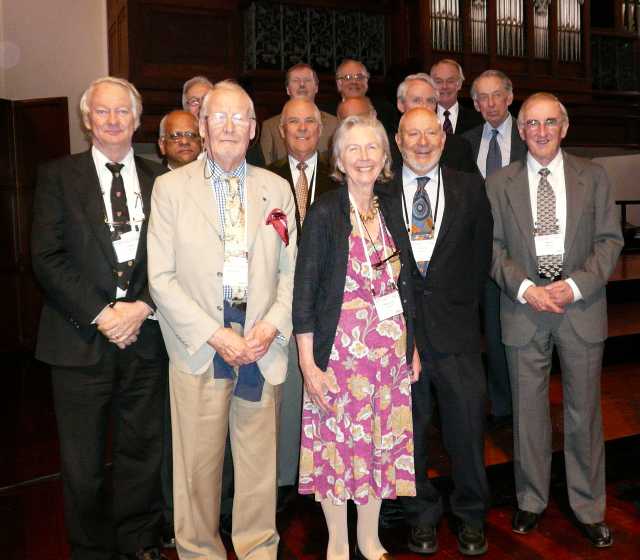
x,y
427,292
219,307
219,275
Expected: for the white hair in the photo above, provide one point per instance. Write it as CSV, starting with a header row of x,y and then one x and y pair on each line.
x,y
192,82
134,96
404,85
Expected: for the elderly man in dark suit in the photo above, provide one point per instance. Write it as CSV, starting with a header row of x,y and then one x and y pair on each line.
x,y
556,241
97,331
495,144
447,215
308,175
455,118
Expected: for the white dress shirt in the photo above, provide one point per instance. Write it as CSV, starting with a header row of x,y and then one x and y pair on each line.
x,y
504,141
557,182
310,171
453,114
409,188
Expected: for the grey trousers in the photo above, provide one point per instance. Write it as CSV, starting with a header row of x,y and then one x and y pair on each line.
x,y
581,364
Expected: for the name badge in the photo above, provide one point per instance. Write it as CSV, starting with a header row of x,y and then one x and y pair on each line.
x,y
388,305
236,271
127,246
549,244
422,249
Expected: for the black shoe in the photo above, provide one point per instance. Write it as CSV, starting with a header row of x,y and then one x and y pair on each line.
x,y
357,555
286,495
471,540
524,521
423,540
599,534
498,422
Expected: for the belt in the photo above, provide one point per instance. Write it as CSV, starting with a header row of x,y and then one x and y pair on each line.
x,y
237,304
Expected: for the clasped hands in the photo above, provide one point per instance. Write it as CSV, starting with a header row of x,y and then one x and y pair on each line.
x,y
553,297
239,350
121,323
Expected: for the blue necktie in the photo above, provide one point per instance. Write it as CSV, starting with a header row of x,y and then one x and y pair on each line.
x,y
422,218
494,155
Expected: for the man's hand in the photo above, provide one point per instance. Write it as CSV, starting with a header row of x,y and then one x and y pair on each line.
x,y
233,348
260,336
539,298
121,323
416,366
560,292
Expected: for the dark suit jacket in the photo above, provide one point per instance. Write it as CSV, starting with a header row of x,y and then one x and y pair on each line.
x,y
518,147
457,154
74,261
467,119
447,300
321,270
324,183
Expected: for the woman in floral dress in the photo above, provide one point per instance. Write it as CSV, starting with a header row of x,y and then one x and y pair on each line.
x,y
352,319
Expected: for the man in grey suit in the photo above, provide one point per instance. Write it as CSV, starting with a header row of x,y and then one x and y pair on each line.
x,y
495,144
556,241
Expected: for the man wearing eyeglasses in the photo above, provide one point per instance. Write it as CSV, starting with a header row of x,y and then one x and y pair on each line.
x,y
222,245
108,361
455,118
179,140
495,144
446,215
301,82
556,242
193,92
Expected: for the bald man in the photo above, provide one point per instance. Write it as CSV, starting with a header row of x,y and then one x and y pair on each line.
x,y
447,215
355,107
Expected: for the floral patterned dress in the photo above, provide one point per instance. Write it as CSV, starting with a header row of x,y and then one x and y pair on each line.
x,y
365,447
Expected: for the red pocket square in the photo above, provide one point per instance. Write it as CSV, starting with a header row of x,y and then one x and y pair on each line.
x,y
278,219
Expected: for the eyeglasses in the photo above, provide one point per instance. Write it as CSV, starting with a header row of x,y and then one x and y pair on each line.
x,y
179,135
352,77
194,101
448,81
391,258
551,122
220,119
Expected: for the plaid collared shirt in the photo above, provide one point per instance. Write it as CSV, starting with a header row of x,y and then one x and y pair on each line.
x,y
218,180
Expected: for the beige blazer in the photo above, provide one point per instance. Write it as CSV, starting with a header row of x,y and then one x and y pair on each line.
x,y
272,144
186,254
592,243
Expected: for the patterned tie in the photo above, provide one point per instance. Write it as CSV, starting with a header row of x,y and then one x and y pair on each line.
x,y
494,155
235,243
422,218
119,207
302,190
447,126
549,266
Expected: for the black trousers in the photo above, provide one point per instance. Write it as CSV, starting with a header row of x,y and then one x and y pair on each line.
x,y
125,392
458,383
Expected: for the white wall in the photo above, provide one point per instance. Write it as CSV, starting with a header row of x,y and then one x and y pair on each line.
x,y
61,47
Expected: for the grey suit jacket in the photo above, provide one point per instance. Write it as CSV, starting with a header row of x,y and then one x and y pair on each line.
x,y
593,241
272,144
186,257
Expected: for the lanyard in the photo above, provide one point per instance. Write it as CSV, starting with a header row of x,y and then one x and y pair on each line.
x,y
408,222
364,246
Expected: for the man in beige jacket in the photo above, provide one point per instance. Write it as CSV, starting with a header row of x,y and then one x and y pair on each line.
x,y
222,243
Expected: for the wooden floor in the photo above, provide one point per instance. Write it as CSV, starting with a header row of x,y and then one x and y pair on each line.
x,y
31,516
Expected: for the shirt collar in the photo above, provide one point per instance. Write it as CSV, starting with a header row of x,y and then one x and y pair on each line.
x,y
101,160
453,110
504,129
220,174
409,175
311,162
554,167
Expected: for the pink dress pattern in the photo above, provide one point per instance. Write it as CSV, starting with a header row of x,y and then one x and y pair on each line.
x,y
365,448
